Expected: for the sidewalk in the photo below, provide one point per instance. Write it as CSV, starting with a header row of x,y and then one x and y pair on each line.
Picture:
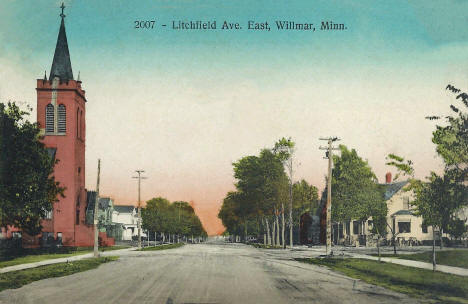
x,y
442,268
63,260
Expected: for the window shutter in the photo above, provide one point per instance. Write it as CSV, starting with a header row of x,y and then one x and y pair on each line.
x,y
49,118
62,119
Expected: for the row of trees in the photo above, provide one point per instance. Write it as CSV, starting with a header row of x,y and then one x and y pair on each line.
x,y
171,219
27,185
263,192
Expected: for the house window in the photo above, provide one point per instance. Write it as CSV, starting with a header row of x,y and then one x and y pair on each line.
x,y
404,227
49,118
62,119
59,237
356,225
424,228
406,204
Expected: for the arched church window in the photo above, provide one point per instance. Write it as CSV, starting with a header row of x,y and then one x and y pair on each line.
x,y
62,119
49,118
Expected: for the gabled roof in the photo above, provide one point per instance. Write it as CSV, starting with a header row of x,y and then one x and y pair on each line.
x,y
124,209
61,65
392,188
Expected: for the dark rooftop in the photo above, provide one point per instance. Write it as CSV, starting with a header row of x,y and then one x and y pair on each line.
x,y
392,188
61,65
124,209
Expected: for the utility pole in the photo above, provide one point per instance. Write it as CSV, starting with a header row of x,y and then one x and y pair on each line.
x,y
96,210
139,203
329,155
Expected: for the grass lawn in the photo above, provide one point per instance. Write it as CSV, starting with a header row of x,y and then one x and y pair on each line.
x,y
266,246
32,258
161,247
442,287
457,257
16,279
38,257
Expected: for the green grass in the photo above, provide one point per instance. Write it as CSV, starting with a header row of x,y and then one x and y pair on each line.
x,y
16,279
442,287
457,258
256,245
35,257
161,247
38,257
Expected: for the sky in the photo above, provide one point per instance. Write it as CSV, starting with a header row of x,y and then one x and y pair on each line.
x,y
185,104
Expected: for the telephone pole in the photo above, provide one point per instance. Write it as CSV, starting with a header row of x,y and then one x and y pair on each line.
x,y
329,155
96,210
139,203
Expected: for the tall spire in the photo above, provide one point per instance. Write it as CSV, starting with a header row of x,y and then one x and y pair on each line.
x,y
61,65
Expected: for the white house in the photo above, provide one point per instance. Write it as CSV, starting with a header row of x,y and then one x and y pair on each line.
x,y
408,227
128,216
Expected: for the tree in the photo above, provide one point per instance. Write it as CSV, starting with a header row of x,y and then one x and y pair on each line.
x,y
27,186
284,149
452,139
305,199
356,194
178,218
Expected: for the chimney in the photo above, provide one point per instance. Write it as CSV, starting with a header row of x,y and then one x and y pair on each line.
x,y
388,178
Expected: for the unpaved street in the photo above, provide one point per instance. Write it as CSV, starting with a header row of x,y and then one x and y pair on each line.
x,y
203,273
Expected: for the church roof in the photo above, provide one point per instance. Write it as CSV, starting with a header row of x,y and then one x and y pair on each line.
x,y
61,65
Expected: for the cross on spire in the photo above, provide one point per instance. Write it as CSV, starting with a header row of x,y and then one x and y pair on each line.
x,y
62,7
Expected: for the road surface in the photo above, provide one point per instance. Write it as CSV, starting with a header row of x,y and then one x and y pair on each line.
x,y
204,273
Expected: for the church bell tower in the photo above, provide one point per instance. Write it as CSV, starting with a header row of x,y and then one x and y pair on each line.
x,y
61,110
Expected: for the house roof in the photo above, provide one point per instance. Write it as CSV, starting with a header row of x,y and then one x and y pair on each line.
x,y
403,212
124,209
104,202
392,188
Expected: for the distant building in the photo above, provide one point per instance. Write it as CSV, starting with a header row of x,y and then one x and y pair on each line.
x,y
127,216
105,212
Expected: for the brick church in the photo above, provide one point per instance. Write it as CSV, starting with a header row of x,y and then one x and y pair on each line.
x,y
61,112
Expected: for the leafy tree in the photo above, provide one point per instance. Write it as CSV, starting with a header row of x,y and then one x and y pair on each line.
x,y
178,218
355,192
305,199
452,139
27,186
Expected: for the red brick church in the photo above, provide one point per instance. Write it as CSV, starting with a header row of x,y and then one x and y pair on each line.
x,y
61,111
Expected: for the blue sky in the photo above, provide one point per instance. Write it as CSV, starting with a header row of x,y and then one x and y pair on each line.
x,y
185,104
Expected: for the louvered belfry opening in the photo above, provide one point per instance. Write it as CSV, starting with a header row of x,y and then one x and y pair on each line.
x,y
62,119
49,118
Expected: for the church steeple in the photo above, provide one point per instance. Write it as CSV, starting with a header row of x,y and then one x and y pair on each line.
x,y
61,65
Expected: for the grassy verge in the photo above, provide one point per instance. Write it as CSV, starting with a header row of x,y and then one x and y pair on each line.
x,y
442,287
161,247
256,245
16,279
37,256
457,258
